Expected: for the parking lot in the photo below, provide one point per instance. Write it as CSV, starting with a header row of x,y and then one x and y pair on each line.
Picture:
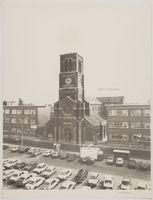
x,y
101,167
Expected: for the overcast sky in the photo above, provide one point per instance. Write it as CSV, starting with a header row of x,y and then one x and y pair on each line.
x,y
113,38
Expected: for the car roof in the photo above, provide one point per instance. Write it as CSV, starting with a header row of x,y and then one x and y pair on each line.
x,y
51,179
35,178
94,174
40,164
67,183
65,170
108,177
126,179
141,184
50,167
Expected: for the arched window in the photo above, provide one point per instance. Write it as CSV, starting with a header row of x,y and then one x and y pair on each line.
x,y
70,65
66,65
80,66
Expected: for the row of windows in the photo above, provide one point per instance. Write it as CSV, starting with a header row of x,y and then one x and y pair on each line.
x,y
125,125
95,108
19,130
137,137
124,112
19,111
16,121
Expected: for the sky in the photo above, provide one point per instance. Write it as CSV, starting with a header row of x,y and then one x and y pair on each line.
x,y
113,37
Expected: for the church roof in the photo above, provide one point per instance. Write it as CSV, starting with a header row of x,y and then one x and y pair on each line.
x,y
95,120
111,100
92,100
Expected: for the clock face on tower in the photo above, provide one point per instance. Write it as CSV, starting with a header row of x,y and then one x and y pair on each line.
x,y
68,81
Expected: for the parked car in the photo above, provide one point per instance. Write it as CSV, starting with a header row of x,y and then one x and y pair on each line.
x,y
48,153
15,149
141,186
143,165
19,165
31,150
23,180
108,182
5,146
34,182
126,184
119,162
55,154
63,155
36,153
64,174
99,185
23,149
40,168
5,160
68,185
30,166
86,160
81,175
48,172
110,160
71,157
15,176
8,174
49,184
93,179
11,163
131,164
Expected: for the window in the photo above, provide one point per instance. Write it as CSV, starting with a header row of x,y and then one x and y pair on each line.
x,y
6,130
136,125
26,130
112,112
13,120
146,112
6,120
7,111
32,121
14,111
27,112
18,112
70,65
118,125
66,65
138,137
13,130
136,112
123,112
26,121
33,112
146,125
121,137
19,130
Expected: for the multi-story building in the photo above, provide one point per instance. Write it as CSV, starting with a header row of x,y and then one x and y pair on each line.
x,y
26,117
128,124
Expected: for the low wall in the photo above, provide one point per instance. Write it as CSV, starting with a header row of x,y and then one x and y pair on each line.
x,y
136,153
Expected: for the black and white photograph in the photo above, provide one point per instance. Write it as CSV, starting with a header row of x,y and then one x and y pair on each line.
x,y
76,97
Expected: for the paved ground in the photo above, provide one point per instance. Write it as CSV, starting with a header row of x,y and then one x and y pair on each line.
x,y
100,166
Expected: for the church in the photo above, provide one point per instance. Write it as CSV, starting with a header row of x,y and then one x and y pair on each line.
x,y
76,120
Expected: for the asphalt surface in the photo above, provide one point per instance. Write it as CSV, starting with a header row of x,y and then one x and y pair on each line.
x,y
99,166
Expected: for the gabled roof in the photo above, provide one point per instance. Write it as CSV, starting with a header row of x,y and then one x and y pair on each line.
x,y
95,120
92,100
111,100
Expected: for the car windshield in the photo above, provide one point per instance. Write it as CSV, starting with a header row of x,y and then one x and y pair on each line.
x,y
31,182
15,175
63,173
46,183
62,187
93,177
108,181
22,178
39,167
53,182
49,170
125,182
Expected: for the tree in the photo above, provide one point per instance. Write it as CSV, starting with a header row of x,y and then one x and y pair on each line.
x,y
20,102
